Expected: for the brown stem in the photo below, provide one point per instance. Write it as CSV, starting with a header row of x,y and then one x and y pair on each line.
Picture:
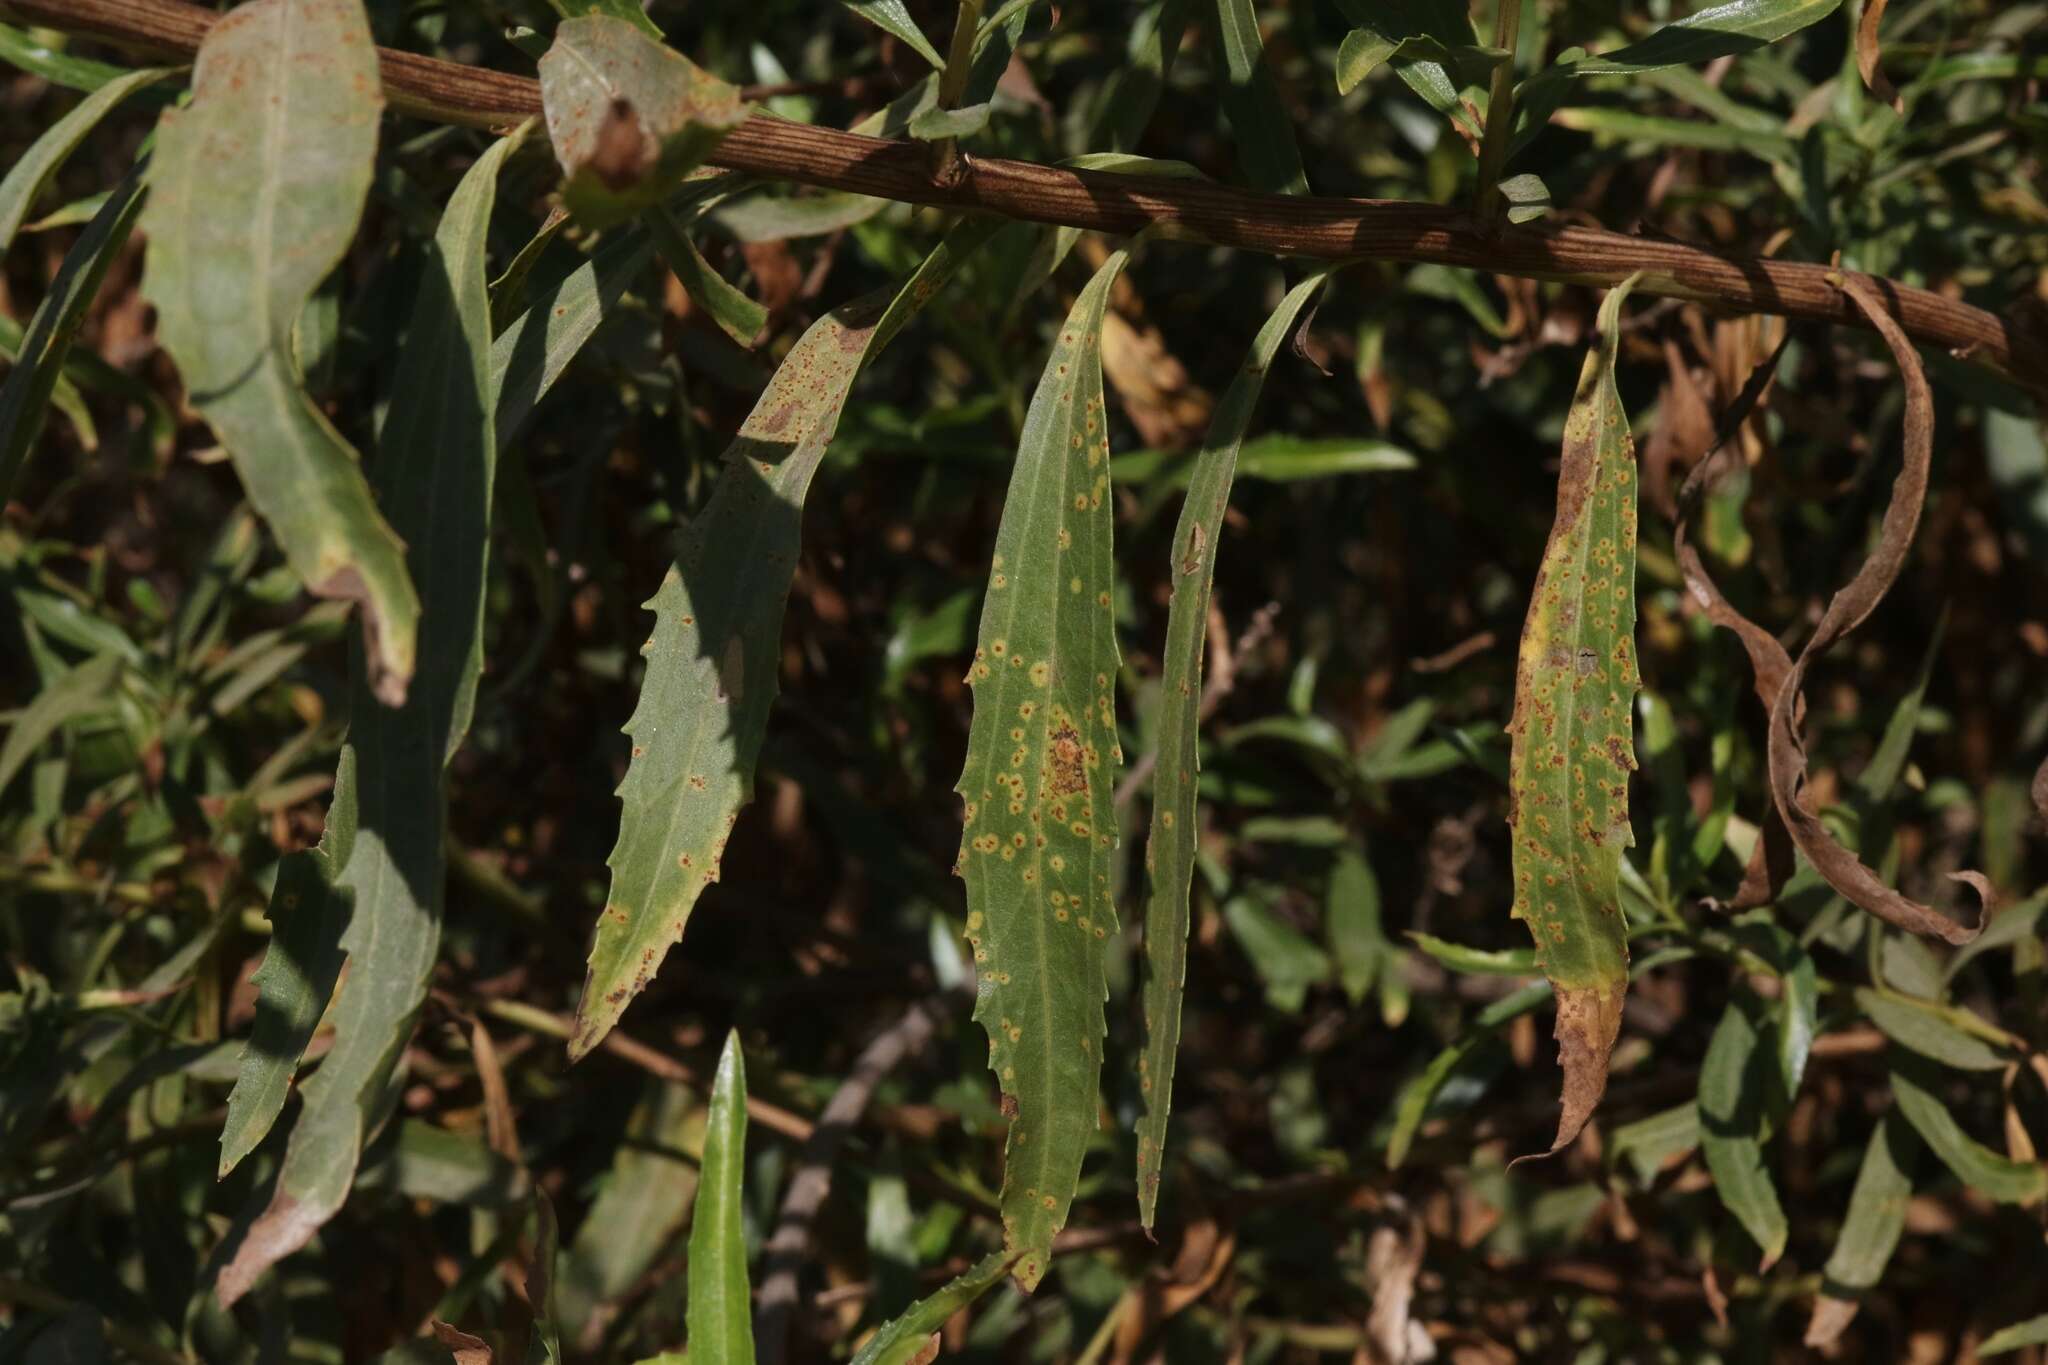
x,y
1282,225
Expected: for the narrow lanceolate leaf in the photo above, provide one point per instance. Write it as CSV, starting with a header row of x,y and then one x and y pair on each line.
x,y
632,11
1877,1215
640,1205
537,345
1575,686
434,472
25,180
1915,1087
1170,847
1734,1098
309,912
711,661
39,360
737,315
628,116
254,195
1723,30
84,690
1041,757
1266,148
891,17
909,1338
721,1316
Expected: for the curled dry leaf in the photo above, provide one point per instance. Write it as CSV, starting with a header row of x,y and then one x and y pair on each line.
x,y
1868,52
1849,609
1568,769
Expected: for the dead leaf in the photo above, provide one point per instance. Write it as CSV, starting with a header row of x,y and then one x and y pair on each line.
x,y
468,1350
1867,54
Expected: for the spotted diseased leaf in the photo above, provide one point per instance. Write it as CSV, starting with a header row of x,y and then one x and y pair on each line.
x,y
436,461
254,194
628,116
1170,847
711,660
1569,765
1040,820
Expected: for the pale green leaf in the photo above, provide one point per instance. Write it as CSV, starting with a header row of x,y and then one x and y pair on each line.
x,y
84,690
39,361
29,52
254,195
309,912
1925,1030
1040,821
712,657
26,178
906,1338
641,1204
2031,1332
721,1319
1723,30
1278,458
1477,961
737,315
1870,1231
629,117
1734,1092
1266,147
436,458
1650,1144
1416,1096
1573,728
1915,1083
1171,845
891,17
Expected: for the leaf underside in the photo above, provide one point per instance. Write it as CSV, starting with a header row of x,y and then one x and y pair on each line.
x,y
1572,751
1042,751
1170,846
711,659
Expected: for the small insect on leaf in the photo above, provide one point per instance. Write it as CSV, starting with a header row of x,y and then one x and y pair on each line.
x,y
1575,687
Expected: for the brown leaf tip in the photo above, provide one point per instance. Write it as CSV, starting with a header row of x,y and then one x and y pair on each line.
x,y
1588,1021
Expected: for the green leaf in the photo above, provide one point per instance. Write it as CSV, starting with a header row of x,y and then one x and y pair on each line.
x,y
1477,961
1928,1033
25,180
721,1322
1040,822
64,395
39,361
632,11
1870,1232
436,459
2032,1332
712,657
931,125
737,315
766,217
531,353
1266,148
1170,847
1133,88
1572,730
1287,961
1430,45
254,195
905,1338
1352,927
309,912
26,52
544,1338
1416,1096
1914,1085
1735,1081
1719,31
1650,1144
1277,458
891,17
629,117
81,692
641,1203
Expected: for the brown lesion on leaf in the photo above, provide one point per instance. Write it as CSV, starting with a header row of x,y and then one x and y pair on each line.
x,y
1066,761
1588,1021
622,153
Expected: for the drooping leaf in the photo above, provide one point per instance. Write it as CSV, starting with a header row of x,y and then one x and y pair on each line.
x,y
26,178
1430,45
436,457
254,195
309,914
1734,1103
1039,821
631,11
908,1338
1170,847
721,1314
1870,1232
1847,610
1266,148
39,361
737,315
1573,724
712,658
891,17
628,116
1915,1082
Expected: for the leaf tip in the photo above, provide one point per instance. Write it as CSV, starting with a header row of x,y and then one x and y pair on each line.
x,y
1588,1021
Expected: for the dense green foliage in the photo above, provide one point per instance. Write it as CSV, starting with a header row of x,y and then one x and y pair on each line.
x,y
606,757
